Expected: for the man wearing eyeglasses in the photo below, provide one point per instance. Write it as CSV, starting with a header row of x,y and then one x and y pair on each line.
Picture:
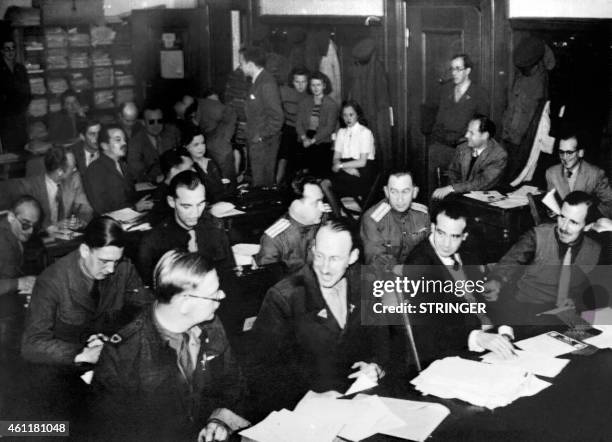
x,y
173,376
459,102
14,99
574,173
16,228
145,147
189,228
78,303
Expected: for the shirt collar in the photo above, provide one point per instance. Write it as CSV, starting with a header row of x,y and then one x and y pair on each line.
x,y
478,151
257,74
446,260
576,245
339,288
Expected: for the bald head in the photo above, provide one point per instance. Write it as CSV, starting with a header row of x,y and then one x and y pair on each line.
x,y
129,113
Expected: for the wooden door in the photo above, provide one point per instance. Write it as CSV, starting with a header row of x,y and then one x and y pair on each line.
x,y
436,32
159,74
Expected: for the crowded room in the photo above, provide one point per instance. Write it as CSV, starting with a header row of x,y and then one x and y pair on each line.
x,y
306,221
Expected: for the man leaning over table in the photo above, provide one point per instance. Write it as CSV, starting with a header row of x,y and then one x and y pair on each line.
x,y
308,333
108,184
77,304
440,258
172,376
478,164
553,260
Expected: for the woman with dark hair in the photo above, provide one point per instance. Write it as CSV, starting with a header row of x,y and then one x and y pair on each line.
x,y
210,173
316,121
353,166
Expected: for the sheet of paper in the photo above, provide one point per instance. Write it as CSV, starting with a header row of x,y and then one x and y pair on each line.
x,y
248,323
524,190
246,249
371,416
143,187
362,383
603,340
509,203
531,362
600,316
545,345
232,212
550,201
487,196
127,215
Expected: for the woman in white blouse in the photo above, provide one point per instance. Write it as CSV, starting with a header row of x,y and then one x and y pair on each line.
x,y
353,165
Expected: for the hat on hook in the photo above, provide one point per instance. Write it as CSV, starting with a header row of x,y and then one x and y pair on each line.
x,y
364,49
528,52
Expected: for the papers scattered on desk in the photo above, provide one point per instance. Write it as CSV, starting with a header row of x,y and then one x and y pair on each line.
x,y
143,187
320,417
224,209
524,191
480,384
511,202
551,202
487,196
126,215
546,345
530,362
243,253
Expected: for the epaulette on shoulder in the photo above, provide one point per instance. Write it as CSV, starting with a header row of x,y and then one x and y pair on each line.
x,y
278,227
419,207
127,331
380,211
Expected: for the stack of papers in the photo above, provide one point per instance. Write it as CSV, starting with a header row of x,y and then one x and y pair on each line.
x,y
480,384
223,209
322,417
487,196
531,362
548,345
129,219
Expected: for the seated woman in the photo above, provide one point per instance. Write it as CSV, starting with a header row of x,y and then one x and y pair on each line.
x,y
353,165
210,174
316,121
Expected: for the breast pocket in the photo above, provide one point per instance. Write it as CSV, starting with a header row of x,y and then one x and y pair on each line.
x,y
72,325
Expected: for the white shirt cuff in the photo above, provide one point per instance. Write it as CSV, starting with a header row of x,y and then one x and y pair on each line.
x,y
472,341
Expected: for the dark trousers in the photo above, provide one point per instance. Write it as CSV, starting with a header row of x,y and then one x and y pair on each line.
x,y
439,157
262,158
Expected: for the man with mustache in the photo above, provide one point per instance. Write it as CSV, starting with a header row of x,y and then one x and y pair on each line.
x,y
556,259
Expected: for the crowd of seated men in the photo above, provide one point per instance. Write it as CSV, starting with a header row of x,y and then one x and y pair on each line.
x,y
131,348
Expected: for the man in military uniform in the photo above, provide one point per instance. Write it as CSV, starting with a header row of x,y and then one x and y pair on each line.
x,y
394,226
288,240
171,373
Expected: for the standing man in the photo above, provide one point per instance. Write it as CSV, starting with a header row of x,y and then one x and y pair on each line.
x,y
478,164
289,239
145,147
264,115
173,374
16,228
574,173
14,99
459,102
391,228
188,229
553,259
308,334
440,259
108,185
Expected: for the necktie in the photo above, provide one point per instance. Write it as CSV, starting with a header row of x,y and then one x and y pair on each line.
x,y
184,357
564,278
119,167
337,307
95,293
192,245
158,143
472,161
59,203
569,173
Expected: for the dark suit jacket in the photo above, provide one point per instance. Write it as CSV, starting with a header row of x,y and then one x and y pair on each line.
x,y
263,109
78,149
143,157
299,344
11,260
487,172
328,118
438,335
106,188
589,178
61,127
73,197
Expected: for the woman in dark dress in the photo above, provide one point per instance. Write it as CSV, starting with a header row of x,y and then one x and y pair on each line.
x,y
195,143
